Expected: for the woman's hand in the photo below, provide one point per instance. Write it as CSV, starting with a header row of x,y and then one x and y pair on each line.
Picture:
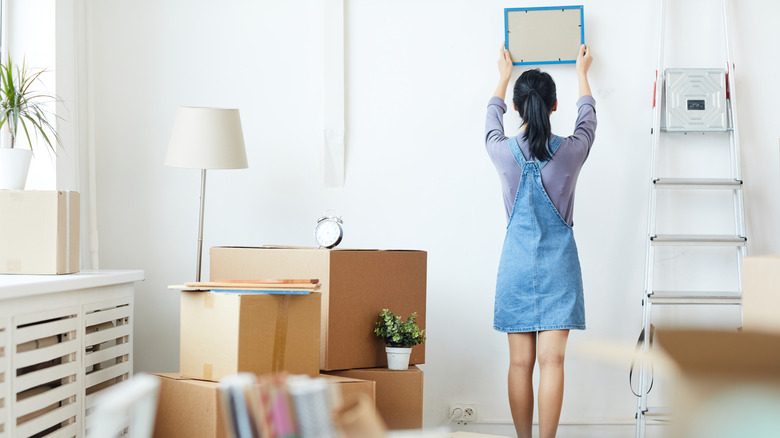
x,y
584,59
504,71
505,63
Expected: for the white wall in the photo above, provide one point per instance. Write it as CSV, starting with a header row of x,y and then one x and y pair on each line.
x,y
419,74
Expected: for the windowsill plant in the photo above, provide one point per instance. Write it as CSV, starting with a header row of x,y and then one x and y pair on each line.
x,y
22,104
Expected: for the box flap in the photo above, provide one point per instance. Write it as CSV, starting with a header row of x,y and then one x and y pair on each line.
x,y
170,376
710,352
179,376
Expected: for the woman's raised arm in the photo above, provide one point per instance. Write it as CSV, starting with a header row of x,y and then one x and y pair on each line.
x,y
584,59
505,72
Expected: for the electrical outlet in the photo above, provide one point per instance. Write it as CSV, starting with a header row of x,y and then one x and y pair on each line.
x,y
463,413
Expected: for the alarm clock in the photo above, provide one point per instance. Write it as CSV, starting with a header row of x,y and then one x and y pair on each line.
x,y
328,231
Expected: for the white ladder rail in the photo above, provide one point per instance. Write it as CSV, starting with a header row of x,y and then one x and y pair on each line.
x,y
736,170
643,375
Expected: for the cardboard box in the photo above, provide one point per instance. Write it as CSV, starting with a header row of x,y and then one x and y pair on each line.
x,y
761,293
728,383
226,333
190,408
356,286
399,394
348,388
39,232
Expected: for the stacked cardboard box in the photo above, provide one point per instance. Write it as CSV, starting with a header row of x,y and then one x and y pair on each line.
x,y
223,333
399,394
355,285
226,333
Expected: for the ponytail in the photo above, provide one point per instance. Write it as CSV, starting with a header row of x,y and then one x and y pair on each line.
x,y
534,97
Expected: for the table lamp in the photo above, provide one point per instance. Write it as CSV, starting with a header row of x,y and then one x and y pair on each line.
x,y
206,138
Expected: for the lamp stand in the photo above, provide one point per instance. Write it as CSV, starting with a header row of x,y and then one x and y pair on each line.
x,y
200,224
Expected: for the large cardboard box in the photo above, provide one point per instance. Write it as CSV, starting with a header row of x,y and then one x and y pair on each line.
x,y
190,408
727,383
224,333
761,293
356,286
399,394
39,232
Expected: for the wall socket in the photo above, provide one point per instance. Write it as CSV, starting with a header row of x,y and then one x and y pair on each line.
x,y
463,413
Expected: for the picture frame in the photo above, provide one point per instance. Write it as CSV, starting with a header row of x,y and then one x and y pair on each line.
x,y
529,39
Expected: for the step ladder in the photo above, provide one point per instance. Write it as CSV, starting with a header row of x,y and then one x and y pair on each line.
x,y
727,128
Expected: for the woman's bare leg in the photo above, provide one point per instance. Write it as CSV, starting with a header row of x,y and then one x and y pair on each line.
x,y
522,355
551,350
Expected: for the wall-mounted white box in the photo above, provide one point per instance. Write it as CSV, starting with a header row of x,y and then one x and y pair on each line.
x,y
696,100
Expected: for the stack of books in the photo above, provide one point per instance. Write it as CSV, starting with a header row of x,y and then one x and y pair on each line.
x,y
292,406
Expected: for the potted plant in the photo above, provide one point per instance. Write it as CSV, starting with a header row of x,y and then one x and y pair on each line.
x,y
22,104
399,337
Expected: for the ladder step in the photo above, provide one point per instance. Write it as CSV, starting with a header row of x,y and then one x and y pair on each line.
x,y
698,183
658,413
697,239
680,298
664,129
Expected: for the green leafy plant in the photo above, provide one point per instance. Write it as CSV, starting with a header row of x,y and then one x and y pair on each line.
x,y
395,332
22,105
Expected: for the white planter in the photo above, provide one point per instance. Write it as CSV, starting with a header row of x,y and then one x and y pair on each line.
x,y
398,358
14,164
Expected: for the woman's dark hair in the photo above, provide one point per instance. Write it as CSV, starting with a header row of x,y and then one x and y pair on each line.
x,y
534,97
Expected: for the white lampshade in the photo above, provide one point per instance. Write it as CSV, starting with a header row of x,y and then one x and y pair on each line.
x,y
207,138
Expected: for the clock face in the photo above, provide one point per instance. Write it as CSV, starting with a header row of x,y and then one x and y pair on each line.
x,y
328,233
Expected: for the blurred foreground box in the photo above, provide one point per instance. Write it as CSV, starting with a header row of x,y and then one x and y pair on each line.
x,y
728,383
761,293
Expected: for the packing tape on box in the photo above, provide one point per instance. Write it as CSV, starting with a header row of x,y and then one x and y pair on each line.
x,y
208,371
280,339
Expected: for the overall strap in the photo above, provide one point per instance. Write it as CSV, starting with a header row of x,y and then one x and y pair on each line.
x,y
516,152
555,143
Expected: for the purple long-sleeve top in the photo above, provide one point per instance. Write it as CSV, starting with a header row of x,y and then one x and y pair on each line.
x,y
559,176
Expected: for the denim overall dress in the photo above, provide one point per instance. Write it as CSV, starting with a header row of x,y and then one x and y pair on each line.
x,y
539,285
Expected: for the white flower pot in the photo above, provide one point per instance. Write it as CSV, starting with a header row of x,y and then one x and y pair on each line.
x,y
398,358
14,164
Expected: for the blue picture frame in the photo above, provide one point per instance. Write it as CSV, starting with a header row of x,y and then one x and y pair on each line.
x,y
560,60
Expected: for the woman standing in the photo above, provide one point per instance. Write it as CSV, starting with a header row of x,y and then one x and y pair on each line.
x,y
539,295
